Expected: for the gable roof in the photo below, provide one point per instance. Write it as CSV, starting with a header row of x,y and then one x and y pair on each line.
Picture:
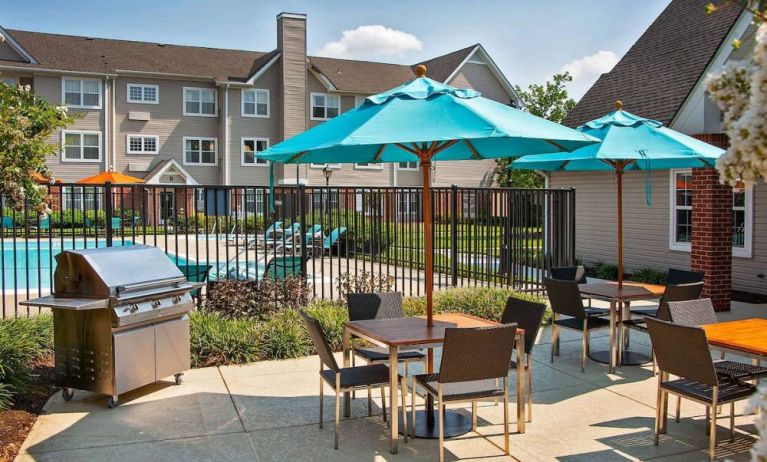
x,y
361,76
442,67
660,70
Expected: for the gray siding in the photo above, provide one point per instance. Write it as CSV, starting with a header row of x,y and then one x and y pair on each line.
x,y
7,53
167,122
49,87
646,228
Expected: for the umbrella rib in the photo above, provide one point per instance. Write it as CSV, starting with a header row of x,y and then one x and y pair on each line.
x,y
559,146
402,146
444,146
472,149
379,153
296,156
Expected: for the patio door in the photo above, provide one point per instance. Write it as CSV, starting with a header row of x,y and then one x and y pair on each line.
x,y
167,206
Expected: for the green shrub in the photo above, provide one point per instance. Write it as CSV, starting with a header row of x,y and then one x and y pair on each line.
x,y
233,298
332,317
649,276
364,282
22,341
606,271
219,341
284,336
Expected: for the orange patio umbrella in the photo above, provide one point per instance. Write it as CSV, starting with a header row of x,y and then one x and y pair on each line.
x,y
109,177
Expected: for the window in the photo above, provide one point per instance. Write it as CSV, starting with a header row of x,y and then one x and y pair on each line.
x,y
407,165
742,219
255,103
199,102
322,166
249,148
10,81
325,106
81,198
80,146
81,93
200,151
368,166
254,201
409,204
680,234
146,94
143,144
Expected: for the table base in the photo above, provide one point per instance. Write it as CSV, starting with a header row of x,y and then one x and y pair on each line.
x,y
630,358
455,425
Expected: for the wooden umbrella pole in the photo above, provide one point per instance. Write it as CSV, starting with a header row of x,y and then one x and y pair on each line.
x,y
428,244
619,178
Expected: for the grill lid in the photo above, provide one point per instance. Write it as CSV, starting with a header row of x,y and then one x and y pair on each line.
x,y
114,272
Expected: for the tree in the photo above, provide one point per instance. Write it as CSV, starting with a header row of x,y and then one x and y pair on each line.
x,y
549,101
26,123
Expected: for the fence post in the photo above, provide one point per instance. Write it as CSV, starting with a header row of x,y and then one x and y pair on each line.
x,y
108,211
454,236
302,220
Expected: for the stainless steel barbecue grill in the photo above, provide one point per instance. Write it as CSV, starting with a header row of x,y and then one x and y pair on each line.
x,y
120,319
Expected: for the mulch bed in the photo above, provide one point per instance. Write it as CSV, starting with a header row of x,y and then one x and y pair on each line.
x,y
16,423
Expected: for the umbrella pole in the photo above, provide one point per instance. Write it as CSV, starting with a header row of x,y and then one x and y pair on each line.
x,y
619,179
428,244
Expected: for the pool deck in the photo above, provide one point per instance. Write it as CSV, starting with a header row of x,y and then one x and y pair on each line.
x,y
267,411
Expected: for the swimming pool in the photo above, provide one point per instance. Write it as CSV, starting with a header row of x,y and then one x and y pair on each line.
x,y
30,265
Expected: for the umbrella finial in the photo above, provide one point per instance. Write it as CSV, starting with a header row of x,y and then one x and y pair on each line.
x,y
420,70
619,105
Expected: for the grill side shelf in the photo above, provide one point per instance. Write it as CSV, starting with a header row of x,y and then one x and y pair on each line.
x,y
63,303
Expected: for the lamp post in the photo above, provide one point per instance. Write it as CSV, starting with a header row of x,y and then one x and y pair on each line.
x,y
328,173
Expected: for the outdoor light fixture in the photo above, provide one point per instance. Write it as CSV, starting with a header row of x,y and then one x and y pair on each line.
x,y
328,173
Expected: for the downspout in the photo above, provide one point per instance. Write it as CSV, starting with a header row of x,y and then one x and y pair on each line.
x,y
112,119
107,144
227,173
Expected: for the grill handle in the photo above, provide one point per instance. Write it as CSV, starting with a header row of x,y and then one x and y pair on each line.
x,y
150,285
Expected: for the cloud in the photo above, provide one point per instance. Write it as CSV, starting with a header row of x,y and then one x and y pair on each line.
x,y
372,42
586,70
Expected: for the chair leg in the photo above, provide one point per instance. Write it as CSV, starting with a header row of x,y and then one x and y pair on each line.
x,y
657,413
585,346
322,401
383,402
441,411
338,408
473,416
370,402
354,364
404,407
708,420
678,408
529,389
732,421
712,425
506,415
412,411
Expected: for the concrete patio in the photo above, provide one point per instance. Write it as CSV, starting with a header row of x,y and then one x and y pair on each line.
x,y
268,412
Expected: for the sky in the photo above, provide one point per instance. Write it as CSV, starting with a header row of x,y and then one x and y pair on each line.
x,y
530,40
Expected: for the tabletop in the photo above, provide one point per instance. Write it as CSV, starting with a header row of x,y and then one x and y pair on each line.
x,y
630,291
413,331
747,335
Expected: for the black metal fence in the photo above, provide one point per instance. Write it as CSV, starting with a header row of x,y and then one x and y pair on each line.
x,y
482,236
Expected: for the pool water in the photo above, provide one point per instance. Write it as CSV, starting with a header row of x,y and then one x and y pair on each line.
x,y
30,265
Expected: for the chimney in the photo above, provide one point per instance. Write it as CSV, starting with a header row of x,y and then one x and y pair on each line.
x,y
291,41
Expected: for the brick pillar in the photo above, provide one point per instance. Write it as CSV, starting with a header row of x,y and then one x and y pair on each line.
x,y
712,235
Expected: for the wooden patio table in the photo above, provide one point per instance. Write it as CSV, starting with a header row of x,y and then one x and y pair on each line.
x,y
413,332
745,336
618,296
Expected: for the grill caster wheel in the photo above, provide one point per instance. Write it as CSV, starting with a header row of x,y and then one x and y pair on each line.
x,y
67,393
178,378
112,402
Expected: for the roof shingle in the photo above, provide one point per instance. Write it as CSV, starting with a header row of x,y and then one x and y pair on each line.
x,y
660,70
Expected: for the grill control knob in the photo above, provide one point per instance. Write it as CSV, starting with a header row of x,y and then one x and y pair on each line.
x,y
176,299
133,308
156,303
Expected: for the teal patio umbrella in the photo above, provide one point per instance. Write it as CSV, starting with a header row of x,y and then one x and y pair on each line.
x,y
425,121
629,142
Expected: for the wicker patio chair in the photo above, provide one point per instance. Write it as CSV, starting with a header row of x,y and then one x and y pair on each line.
x,y
348,378
386,305
565,300
577,274
474,366
683,351
528,316
673,277
695,313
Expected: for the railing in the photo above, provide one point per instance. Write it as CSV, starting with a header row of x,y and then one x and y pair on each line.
x,y
482,236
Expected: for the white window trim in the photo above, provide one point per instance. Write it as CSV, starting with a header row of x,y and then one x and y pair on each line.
x,y
156,143
747,251
268,103
80,106
192,114
407,169
142,101
326,95
64,133
322,166
198,164
743,252
370,166
242,151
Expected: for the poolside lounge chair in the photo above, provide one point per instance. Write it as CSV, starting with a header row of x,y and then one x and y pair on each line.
x,y
328,242
117,224
313,233
269,232
279,238
281,267
7,223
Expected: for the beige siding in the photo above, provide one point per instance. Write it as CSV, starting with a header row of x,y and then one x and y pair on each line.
x,y
646,228
49,87
481,78
7,53
167,122
253,127
291,40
